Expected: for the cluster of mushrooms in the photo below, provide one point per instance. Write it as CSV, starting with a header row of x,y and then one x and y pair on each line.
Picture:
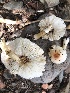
x,y
25,58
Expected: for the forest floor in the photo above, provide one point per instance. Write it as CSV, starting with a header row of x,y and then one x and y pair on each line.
x,y
29,13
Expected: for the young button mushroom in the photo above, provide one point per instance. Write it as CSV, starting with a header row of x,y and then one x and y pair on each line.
x,y
58,54
52,28
23,57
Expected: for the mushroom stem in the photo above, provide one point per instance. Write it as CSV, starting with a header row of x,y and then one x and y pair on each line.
x,y
42,33
37,36
8,51
65,42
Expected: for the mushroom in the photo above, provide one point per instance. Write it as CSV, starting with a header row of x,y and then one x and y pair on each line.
x,y
51,29
50,3
23,57
58,54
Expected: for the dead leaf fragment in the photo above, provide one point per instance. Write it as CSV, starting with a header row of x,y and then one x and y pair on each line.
x,y
45,86
50,86
8,21
2,85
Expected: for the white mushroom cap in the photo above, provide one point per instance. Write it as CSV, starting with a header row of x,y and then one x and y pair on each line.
x,y
33,66
55,24
50,3
57,54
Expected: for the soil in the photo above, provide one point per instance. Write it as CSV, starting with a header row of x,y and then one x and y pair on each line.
x,y
28,12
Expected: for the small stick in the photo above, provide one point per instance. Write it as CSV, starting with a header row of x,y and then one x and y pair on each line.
x,y
66,20
28,23
68,27
8,21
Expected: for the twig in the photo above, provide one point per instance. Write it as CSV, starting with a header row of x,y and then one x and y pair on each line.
x,y
66,20
8,21
68,27
28,23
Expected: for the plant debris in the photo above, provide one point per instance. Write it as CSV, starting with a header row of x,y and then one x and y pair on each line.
x,y
2,85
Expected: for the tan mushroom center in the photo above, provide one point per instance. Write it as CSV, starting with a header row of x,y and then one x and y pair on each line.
x,y
24,59
56,55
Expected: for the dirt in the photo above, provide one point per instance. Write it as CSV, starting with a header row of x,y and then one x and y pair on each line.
x,y
10,83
